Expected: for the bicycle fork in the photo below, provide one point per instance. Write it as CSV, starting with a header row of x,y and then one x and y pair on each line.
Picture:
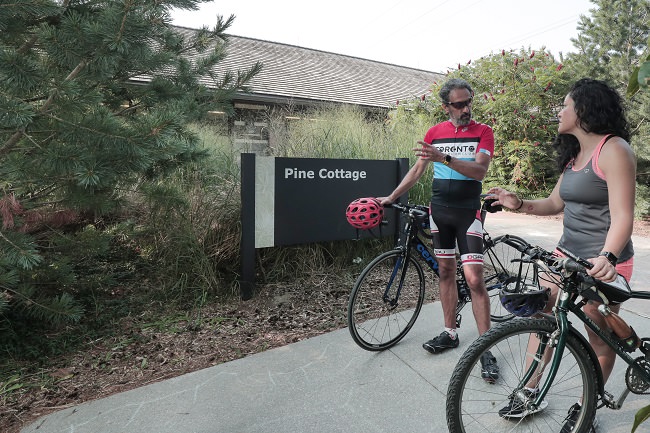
x,y
637,374
556,341
401,266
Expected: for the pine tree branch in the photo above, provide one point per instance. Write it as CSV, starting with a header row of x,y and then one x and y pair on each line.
x,y
67,309
27,45
90,130
13,140
30,43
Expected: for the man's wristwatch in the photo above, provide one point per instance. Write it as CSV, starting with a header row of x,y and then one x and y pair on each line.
x,y
609,256
447,160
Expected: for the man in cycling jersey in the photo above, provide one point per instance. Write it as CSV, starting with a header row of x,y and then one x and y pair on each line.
x,y
460,150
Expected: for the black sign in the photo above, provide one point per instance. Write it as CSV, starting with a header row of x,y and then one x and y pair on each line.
x,y
288,201
311,196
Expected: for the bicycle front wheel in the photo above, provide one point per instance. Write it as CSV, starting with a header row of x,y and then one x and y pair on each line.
x,y
474,405
386,300
500,270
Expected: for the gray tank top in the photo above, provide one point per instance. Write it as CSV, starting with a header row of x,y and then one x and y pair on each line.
x,y
586,209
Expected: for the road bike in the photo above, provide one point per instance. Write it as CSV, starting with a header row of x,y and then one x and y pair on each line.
x,y
547,365
388,295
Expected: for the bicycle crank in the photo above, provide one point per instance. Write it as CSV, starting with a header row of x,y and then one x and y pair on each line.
x,y
634,380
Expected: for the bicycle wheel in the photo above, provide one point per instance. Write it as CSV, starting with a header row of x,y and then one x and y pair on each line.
x,y
386,300
499,270
473,405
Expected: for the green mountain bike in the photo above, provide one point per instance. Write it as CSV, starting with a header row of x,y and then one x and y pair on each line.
x,y
546,364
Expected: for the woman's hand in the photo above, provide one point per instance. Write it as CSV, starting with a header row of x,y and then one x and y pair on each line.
x,y
603,269
504,198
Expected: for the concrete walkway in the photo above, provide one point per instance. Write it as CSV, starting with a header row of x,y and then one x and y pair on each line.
x,y
327,383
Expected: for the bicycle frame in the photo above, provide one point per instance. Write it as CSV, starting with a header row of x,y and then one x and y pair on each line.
x,y
413,241
416,242
425,255
568,302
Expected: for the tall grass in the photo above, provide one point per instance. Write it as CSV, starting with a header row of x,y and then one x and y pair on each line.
x,y
191,226
192,221
350,133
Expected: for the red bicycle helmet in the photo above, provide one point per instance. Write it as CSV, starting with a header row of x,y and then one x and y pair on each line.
x,y
365,213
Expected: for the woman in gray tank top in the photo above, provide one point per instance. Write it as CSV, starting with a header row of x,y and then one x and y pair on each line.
x,y
596,193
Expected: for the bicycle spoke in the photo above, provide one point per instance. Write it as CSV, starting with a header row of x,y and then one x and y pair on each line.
x,y
473,405
385,301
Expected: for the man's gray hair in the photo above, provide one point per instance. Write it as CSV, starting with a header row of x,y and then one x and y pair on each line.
x,y
451,84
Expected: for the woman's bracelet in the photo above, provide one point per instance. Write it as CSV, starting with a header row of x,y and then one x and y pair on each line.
x,y
520,205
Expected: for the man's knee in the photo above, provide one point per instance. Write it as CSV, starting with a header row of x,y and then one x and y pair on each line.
x,y
474,276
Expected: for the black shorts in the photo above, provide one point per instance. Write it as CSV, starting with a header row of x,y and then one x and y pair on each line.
x,y
453,227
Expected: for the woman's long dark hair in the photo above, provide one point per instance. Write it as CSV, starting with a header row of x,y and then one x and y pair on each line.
x,y
599,109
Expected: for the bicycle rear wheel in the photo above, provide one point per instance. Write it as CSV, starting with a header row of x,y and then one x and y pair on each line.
x,y
386,300
500,270
473,405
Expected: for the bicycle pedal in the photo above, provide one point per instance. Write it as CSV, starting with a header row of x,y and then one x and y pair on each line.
x,y
459,319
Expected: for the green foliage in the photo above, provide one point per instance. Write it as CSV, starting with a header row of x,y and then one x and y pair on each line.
x,y
610,46
518,94
642,415
611,39
95,99
191,230
340,132
640,77
10,385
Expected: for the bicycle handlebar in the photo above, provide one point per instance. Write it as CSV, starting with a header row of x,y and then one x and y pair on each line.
x,y
418,211
421,211
571,263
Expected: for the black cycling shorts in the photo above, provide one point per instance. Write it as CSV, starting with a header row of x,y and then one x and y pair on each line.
x,y
453,227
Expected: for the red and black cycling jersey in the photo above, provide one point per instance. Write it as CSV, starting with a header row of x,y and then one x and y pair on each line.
x,y
450,188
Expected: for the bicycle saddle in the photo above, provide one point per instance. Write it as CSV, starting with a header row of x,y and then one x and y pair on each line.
x,y
614,292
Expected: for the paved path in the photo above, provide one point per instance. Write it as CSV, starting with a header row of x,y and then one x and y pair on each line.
x,y
327,383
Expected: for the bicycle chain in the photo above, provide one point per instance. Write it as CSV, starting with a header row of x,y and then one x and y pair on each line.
x,y
634,381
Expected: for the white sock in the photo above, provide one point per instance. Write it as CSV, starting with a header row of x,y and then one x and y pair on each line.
x,y
452,332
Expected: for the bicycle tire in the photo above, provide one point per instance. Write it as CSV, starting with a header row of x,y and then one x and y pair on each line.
x,y
500,270
375,321
473,404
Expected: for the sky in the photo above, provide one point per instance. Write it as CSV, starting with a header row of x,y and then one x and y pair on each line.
x,y
433,35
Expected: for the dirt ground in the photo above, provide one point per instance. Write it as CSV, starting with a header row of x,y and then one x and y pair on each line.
x,y
276,316
141,355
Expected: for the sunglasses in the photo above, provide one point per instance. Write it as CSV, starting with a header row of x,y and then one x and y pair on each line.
x,y
461,104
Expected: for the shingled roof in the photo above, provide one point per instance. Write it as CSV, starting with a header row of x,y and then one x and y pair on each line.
x,y
297,75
